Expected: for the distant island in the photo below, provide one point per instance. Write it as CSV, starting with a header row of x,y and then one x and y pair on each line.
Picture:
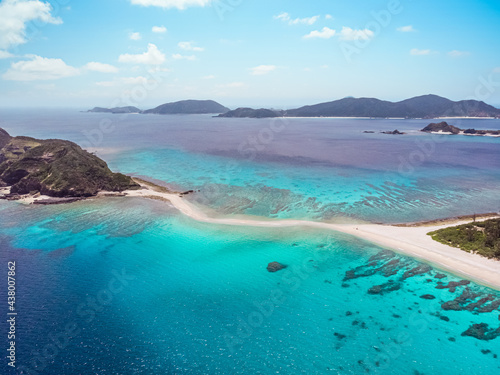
x,y
253,113
55,168
426,106
188,107
115,110
445,128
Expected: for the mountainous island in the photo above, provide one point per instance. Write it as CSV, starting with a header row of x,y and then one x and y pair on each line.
x,y
426,106
188,107
445,128
55,168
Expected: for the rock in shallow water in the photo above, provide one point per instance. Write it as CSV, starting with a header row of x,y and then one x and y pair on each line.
x,y
482,332
275,266
388,287
428,296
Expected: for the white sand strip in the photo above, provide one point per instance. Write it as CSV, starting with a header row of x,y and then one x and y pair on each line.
x,y
412,241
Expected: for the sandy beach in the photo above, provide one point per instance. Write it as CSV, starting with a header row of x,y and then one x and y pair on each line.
x,y
411,240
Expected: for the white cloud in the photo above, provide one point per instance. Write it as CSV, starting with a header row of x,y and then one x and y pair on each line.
x,y
211,76
351,34
456,53
39,69
262,69
188,46
285,17
5,55
325,33
135,36
178,56
14,14
100,67
159,29
179,4
496,70
406,29
420,52
153,56
328,16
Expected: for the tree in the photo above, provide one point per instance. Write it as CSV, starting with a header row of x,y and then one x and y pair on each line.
x,y
471,233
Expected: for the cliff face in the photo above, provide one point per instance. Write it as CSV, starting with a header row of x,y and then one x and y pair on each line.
x,y
56,168
4,138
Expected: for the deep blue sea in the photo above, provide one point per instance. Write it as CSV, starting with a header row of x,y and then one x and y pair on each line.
x,y
130,286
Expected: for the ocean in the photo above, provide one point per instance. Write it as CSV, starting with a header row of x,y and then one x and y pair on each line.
x,y
130,286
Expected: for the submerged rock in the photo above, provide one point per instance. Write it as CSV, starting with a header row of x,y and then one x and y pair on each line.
x,y
420,269
452,285
482,331
428,296
275,267
475,302
384,288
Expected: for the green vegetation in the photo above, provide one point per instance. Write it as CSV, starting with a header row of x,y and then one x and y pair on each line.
x,y
56,168
482,237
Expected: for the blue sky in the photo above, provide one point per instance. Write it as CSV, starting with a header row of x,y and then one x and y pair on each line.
x,y
272,53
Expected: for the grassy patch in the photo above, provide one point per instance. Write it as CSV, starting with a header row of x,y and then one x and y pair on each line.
x,y
482,238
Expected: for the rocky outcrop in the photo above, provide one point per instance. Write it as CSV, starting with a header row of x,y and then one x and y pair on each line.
x,y
56,168
395,132
442,127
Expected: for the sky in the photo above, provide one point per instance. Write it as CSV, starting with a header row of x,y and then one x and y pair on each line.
x,y
273,53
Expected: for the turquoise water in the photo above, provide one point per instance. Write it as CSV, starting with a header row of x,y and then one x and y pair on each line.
x,y
142,289
197,298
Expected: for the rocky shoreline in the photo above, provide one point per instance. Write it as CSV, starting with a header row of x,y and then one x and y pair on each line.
x,y
445,128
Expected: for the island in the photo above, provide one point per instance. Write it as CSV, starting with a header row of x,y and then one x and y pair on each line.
x,y
444,128
188,107
425,106
253,113
116,110
54,168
